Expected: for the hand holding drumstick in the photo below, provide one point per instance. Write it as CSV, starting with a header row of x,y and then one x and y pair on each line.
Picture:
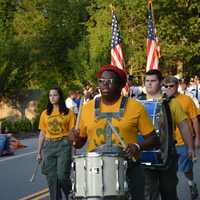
x,y
75,132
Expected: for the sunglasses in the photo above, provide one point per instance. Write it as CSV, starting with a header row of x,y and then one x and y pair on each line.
x,y
169,86
103,81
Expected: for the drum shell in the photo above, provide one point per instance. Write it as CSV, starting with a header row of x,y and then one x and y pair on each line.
x,y
158,158
98,175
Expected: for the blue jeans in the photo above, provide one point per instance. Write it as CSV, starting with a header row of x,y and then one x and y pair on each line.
x,y
184,163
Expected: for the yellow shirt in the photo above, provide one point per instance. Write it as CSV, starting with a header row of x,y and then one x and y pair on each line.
x,y
56,125
177,112
134,120
178,115
190,110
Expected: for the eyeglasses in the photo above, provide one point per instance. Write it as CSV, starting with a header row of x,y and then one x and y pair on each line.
x,y
169,86
103,81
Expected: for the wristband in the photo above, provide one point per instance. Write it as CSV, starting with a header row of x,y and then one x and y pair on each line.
x,y
138,146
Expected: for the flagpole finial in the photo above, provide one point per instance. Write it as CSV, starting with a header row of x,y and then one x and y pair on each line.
x,y
113,8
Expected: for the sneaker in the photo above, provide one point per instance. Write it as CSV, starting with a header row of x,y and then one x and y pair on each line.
x,y
193,191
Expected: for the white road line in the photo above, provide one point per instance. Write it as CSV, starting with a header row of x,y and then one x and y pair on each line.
x,y
18,156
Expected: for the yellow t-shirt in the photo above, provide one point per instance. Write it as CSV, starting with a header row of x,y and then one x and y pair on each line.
x,y
178,115
56,125
190,110
176,110
134,120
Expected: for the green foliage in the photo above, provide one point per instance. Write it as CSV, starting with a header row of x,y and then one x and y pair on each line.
x,y
42,102
64,42
8,125
35,123
23,125
177,24
179,30
20,125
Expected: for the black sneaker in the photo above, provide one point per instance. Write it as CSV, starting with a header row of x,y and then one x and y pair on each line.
x,y
193,191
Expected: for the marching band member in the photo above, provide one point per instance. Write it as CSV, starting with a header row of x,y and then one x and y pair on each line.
x,y
163,182
126,115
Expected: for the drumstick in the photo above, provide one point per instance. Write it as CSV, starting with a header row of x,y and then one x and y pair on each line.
x,y
119,137
78,117
32,179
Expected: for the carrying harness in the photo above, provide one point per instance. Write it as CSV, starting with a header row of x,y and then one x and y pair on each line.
x,y
172,148
108,147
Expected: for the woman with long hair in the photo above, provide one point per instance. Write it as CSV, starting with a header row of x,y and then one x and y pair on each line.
x,y
54,150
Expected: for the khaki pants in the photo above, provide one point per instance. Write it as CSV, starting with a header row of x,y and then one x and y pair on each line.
x,y
56,166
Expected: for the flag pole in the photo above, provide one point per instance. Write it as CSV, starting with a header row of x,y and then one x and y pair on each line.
x,y
112,7
150,6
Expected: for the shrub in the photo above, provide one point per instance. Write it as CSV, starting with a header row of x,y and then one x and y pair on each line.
x,y
42,103
35,123
7,125
23,124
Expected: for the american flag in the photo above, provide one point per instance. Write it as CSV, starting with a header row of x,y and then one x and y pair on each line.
x,y
116,44
153,48
117,58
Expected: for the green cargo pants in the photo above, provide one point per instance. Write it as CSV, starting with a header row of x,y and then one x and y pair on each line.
x,y
56,166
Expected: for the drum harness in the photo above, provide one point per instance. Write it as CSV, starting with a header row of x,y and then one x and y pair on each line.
x,y
108,147
172,148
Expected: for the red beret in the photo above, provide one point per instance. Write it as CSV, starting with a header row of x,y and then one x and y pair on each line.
x,y
121,74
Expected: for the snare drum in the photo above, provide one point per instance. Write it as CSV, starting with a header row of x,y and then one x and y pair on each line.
x,y
157,158
99,175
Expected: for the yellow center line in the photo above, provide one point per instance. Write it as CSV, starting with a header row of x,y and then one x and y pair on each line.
x,y
34,195
41,197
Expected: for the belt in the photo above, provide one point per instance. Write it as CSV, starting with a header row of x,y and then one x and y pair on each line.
x,y
56,139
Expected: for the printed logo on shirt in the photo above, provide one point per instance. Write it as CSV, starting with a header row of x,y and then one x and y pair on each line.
x,y
100,137
55,125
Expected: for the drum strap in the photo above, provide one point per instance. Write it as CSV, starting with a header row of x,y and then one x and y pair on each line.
x,y
99,114
172,149
109,116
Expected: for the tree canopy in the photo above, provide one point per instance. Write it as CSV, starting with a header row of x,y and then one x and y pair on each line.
x,y
64,42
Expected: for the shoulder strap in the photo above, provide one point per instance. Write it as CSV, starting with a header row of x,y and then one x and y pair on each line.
x,y
119,114
166,106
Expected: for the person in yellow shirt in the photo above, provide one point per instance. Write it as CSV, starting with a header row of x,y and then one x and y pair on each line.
x,y
185,164
126,115
54,150
161,184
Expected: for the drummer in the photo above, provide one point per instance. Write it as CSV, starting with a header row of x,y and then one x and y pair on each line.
x,y
158,182
126,115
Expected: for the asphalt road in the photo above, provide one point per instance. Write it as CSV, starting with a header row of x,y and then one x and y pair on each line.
x,y
16,171
183,189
